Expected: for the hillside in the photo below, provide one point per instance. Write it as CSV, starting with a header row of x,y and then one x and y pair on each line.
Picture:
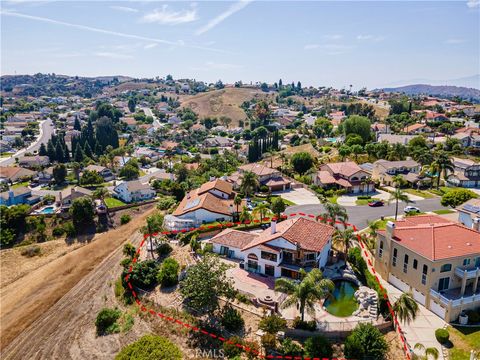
x,y
438,90
225,102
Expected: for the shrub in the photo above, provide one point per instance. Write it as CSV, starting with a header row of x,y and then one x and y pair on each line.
x,y
304,325
168,274
166,203
150,347
230,349
473,316
31,251
69,229
264,189
106,322
163,249
364,197
288,347
125,219
58,231
144,274
318,347
365,342
272,324
232,319
269,342
243,298
442,336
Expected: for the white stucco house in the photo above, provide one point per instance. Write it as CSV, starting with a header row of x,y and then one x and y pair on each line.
x,y
133,191
281,250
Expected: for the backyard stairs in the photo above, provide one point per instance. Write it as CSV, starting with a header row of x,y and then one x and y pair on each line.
x,y
374,309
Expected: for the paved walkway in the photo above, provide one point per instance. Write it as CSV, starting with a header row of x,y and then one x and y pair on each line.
x,y
422,329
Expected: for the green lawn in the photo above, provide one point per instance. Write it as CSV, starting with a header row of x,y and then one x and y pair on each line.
x,y
382,224
362,202
443,211
463,340
24,183
112,202
424,194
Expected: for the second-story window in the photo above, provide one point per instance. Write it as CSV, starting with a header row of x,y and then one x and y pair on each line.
x,y
268,256
394,260
466,262
445,267
415,264
380,250
424,274
405,264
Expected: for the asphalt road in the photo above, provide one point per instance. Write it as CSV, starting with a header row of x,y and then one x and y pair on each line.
x,y
46,131
360,215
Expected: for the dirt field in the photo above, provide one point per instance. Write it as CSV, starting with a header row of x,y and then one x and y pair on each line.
x,y
225,102
37,320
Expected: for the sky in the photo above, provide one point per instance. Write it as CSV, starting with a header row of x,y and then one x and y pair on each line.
x,y
320,43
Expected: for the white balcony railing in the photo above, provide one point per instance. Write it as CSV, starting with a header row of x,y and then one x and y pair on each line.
x,y
471,273
455,302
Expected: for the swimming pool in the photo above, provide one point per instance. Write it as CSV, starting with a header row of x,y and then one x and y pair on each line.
x,y
343,302
47,210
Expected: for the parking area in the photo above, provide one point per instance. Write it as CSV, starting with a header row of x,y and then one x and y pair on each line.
x,y
299,196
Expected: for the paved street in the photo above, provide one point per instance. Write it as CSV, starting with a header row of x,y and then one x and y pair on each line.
x,y
299,196
359,215
46,131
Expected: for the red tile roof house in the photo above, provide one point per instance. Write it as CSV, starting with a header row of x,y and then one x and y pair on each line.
x,y
435,259
281,250
347,175
272,178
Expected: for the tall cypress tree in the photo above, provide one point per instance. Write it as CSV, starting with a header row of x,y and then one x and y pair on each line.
x,y
51,150
78,157
87,150
43,150
59,156
76,124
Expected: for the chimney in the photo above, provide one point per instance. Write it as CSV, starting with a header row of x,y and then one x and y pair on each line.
x,y
390,229
476,224
273,227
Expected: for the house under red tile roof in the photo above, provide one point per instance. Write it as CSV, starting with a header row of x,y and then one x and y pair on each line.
x,y
307,234
436,238
233,238
347,168
217,184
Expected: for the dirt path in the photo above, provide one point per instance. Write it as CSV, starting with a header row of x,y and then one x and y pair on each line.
x,y
45,313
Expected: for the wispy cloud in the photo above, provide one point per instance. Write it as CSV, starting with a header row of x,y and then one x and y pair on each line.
x,y
112,55
124,9
455,41
150,46
473,3
223,16
333,37
167,16
368,37
108,32
330,49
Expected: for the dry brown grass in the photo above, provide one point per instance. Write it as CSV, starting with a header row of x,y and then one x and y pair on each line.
x,y
225,102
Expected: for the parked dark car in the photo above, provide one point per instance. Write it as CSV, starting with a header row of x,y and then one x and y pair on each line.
x,y
376,203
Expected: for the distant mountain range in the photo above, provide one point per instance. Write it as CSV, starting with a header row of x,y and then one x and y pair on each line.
x,y
443,91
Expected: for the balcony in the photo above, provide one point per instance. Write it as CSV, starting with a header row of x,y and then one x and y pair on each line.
x,y
471,273
454,296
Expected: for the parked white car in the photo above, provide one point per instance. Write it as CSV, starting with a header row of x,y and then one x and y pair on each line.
x,y
411,209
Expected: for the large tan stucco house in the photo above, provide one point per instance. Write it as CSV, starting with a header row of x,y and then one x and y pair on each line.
x,y
435,259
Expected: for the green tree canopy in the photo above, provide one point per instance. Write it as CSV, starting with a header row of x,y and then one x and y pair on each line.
x,y
82,212
302,162
150,347
359,125
365,342
457,197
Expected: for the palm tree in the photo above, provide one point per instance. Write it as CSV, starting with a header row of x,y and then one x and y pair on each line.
x,y
398,195
442,164
336,213
261,209
427,353
366,183
237,201
283,157
249,183
343,238
305,294
245,216
406,308
398,180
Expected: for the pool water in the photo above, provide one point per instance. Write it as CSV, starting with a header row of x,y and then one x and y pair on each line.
x,y
48,210
343,302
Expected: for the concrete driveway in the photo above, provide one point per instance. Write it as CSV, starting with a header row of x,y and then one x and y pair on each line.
x,y
299,196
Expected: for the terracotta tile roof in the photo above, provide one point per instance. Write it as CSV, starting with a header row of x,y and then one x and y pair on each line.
x,y
277,181
308,234
218,184
14,172
414,127
325,177
347,168
234,238
436,238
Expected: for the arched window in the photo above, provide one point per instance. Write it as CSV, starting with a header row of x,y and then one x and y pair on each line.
x,y
252,256
446,267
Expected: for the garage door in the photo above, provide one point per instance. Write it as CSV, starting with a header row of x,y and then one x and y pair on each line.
x,y
419,297
437,309
398,283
